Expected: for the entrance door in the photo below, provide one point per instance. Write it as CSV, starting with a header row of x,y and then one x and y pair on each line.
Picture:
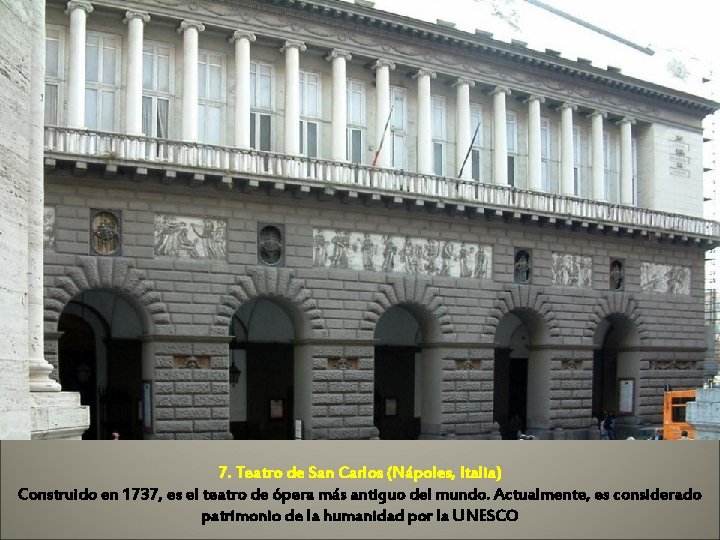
x,y
269,391
510,396
121,403
395,393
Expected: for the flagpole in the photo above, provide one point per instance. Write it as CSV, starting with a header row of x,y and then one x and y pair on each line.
x,y
472,142
382,139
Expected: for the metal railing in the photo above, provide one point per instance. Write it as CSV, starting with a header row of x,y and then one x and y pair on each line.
x,y
145,151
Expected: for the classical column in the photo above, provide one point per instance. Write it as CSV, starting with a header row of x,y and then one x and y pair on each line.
x,y
463,130
534,143
190,30
382,107
242,42
567,157
78,10
500,171
626,163
133,96
339,57
598,156
292,50
424,122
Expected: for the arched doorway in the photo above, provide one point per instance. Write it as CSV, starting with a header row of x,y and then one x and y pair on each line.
x,y
521,375
398,375
615,363
262,398
100,356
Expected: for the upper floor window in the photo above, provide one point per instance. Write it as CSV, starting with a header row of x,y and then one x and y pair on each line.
x,y
476,132
261,84
53,74
355,119
156,89
611,168
438,134
398,126
577,158
545,154
102,73
512,145
634,173
310,93
211,81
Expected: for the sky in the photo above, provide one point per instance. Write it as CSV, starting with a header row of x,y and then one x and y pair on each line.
x,y
686,32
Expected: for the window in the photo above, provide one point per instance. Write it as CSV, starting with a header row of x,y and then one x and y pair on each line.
x,y
102,68
261,105
612,180
476,129
545,153
398,126
512,145
577,158
634,173
156,89
355,119
309,110
438,134
211,81
53,74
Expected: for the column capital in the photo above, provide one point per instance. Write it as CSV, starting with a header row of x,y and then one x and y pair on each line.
x,y
381,63
595,113
567,106
293,44
534,97
500,90
338,53
130,14
626,120
463,80
237,35
79,4
422,72
190,23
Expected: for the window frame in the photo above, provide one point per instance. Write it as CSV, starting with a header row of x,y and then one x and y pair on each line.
x,y
398,133
58,33
438,105
154,93
100,87
207,101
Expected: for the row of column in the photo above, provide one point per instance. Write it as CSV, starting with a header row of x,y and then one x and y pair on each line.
x,y
190,29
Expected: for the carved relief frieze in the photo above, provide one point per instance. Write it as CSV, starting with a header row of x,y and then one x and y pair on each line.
x,y
184,361
190,237
469,364
664,278
672,364
49,228
343,363
571,270
346,250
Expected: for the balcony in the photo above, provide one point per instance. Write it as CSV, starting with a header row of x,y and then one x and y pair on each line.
x,y
303,176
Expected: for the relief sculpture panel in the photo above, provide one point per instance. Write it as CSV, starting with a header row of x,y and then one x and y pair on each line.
x,y
664,278
571,270
398,253
190,237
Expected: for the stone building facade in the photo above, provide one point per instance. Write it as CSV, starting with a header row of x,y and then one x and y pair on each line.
x,y
318,220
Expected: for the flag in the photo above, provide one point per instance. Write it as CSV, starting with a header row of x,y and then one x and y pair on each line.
x,y
382,139
469,150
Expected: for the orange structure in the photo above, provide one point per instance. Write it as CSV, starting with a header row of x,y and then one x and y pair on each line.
x,y
674,407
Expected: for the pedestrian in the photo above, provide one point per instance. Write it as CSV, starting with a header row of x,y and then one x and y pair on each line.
x,y
115,436
657,435
684,435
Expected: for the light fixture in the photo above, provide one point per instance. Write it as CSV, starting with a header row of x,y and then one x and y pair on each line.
x,y
234,373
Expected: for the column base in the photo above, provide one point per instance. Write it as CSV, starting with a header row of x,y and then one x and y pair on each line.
x,y
58,415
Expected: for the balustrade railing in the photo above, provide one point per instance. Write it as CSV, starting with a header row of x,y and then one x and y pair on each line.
x,y
228,160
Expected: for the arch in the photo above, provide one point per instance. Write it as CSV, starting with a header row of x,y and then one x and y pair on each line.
x,y
408,291
616,304
111,274
278,283
519,298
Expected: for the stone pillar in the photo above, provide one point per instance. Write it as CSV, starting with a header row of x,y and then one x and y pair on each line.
x,y
78,10
190,30
463,130
500,170
626,164
133,95
534,143
424,121
292,50
382,106
339,57
598,156
242,42
567,157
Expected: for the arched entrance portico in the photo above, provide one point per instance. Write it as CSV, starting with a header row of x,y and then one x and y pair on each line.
x,y
100,356
263,400
615,361
521,374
